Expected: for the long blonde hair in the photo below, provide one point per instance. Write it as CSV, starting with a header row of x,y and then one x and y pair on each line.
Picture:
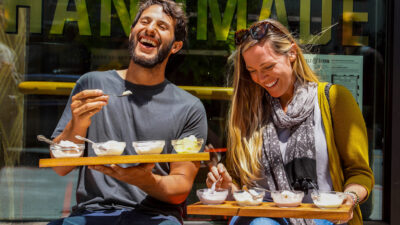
x,y
249,109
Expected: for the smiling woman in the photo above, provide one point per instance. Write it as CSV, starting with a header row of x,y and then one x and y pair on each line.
x,y
279,131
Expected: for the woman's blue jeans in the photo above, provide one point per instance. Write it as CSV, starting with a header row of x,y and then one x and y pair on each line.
x,y
236,220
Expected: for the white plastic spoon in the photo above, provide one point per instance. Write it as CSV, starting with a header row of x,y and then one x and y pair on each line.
x,y
214,184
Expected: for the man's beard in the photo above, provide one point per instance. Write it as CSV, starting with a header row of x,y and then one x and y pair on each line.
x,y
152,62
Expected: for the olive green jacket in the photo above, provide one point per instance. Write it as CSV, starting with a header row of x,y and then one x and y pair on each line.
x,y
347,142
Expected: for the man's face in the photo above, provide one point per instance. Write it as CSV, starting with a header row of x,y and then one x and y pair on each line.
x,y
152,37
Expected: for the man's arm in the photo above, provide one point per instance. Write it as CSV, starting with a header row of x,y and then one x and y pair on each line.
x,y
176,186
65,135
173,188
83,106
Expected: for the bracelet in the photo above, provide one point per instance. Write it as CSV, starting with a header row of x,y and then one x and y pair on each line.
x,y
354,196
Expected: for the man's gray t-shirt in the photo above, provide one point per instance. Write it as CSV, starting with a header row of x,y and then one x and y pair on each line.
x,y
159,112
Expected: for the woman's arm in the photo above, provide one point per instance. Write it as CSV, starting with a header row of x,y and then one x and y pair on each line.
x,y
351,141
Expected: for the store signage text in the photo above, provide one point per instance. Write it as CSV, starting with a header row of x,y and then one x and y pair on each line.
x,y
221,24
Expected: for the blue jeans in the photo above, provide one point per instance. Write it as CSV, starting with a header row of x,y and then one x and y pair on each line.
x,y
115,217
236,220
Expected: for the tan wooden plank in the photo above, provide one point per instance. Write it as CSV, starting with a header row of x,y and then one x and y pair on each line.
x,y
227,209
308,211
104,160
269,209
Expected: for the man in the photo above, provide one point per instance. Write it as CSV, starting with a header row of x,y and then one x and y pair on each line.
x,y
157,110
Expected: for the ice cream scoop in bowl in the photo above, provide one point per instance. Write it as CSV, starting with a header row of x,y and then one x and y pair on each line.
x,y
189,144
105,148
67,149
63,149
287,198
148,147
109,148
328,199
251,197
212,197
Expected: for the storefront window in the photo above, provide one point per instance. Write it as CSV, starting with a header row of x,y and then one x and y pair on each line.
x,y
46,45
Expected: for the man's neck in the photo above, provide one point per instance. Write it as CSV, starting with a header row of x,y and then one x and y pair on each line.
x,y
144,76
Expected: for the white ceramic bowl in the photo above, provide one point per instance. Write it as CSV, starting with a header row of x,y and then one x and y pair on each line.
x,y
208,197
148,147
67,149
109,148
328,199
286,198
243,198
187,145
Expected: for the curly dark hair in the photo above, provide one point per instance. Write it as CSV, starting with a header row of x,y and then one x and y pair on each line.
x,y
173,10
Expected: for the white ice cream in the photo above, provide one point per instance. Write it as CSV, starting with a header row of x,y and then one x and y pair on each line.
x,y
210,197
287,198
109,148
66,149
327,200
148,147
68,144
245,199
125,93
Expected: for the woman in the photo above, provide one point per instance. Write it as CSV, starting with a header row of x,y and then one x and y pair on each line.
x,y
284,133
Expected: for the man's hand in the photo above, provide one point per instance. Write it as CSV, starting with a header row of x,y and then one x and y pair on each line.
x,y
140,176
173,188
85,104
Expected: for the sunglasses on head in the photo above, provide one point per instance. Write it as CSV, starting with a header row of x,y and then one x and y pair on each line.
x,y
257,31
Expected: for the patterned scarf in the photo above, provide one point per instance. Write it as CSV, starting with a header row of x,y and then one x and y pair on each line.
x,y
299,170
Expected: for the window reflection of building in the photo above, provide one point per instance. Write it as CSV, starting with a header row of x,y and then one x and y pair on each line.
x,y
11,100
373,88
12,62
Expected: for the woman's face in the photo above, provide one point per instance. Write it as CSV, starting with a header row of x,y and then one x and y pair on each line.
x,y
271,70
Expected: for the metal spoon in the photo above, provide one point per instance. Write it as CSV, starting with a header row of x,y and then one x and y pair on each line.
x,y
255,197
125,93
91,142
316,190
48,141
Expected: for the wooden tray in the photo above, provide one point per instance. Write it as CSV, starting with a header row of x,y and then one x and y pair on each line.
x,y
103,160
269,209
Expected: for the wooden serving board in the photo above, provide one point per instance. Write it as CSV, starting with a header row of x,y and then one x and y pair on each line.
x,y
229,208
104,160
269,209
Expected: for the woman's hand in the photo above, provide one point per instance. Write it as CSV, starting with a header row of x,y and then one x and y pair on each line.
x,y
215,173
355,193
347,201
